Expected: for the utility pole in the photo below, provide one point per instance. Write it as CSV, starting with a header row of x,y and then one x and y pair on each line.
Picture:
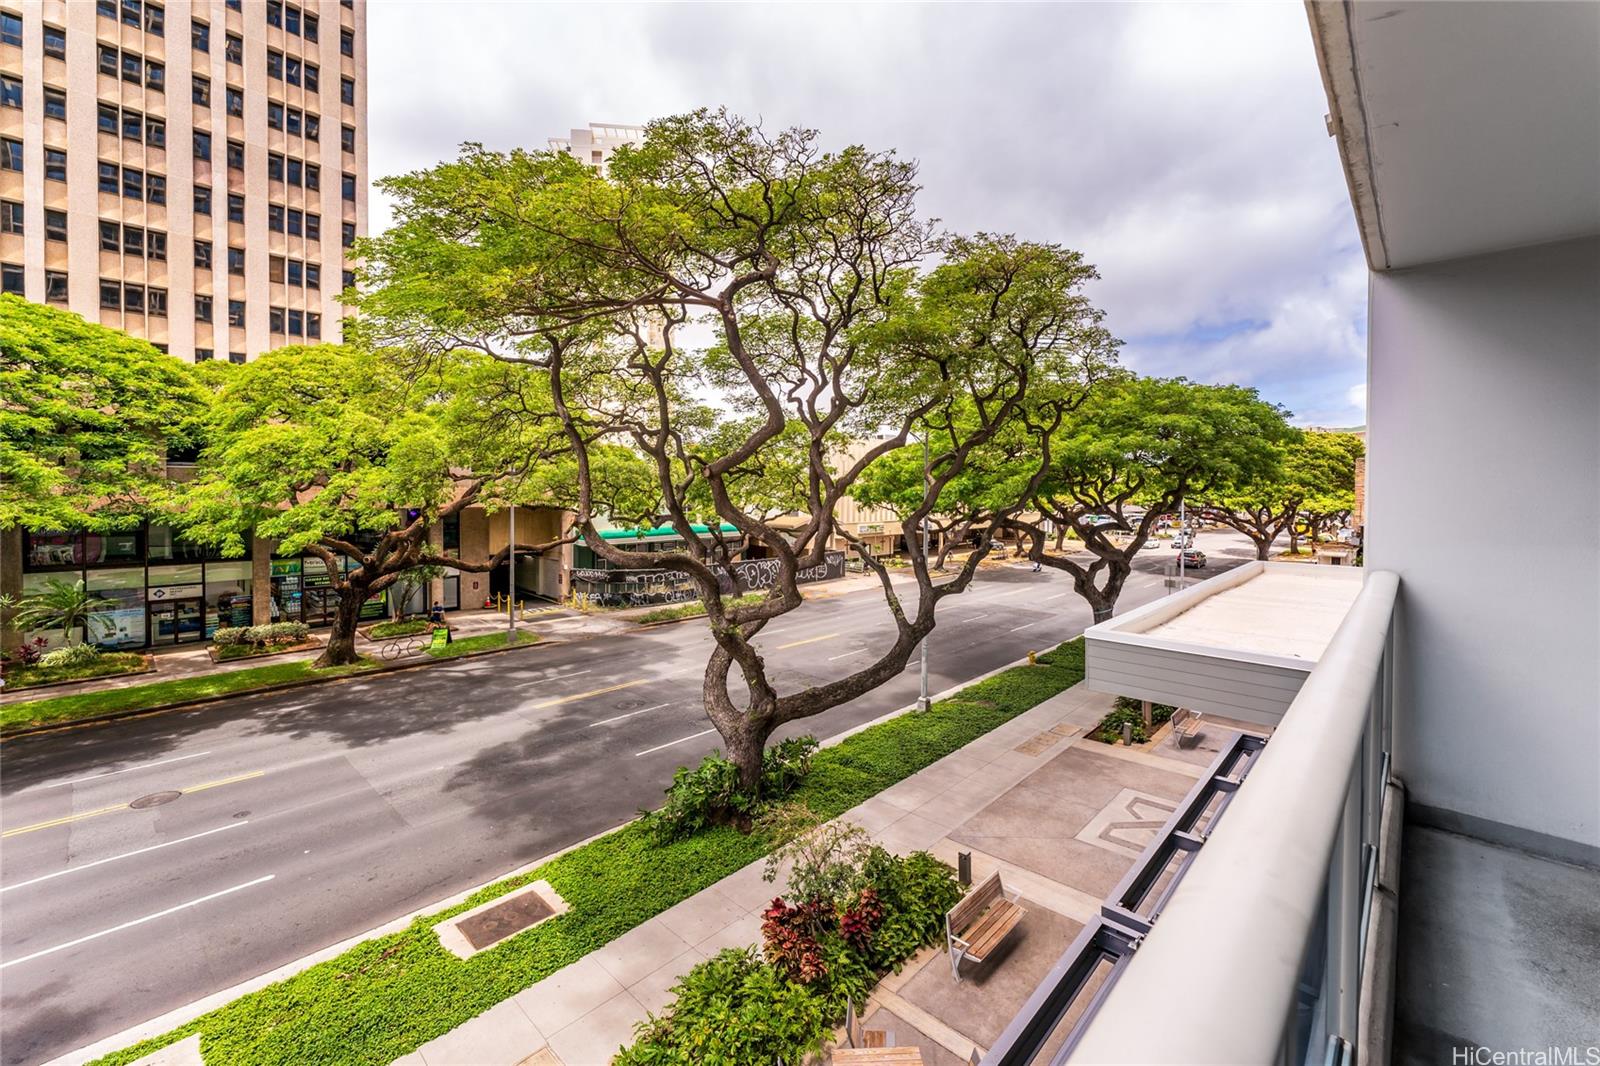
x,y
1183,539
923,702
511,583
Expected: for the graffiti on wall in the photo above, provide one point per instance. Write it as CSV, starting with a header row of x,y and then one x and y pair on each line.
x,y
640,588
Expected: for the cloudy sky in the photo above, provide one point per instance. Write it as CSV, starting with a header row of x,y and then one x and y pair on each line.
x,y
1181,148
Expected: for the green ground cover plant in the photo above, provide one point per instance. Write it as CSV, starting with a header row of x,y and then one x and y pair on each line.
x,y
160,694
485,642
1129,711
694,609
399,628
107,664
388,996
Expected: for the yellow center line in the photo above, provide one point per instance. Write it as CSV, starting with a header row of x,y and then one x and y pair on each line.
x,y
122,806
808,640
591,692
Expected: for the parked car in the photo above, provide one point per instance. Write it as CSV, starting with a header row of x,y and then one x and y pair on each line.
x,y
1194,558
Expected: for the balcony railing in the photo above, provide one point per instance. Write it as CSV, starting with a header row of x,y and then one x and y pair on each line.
x,y
1256,955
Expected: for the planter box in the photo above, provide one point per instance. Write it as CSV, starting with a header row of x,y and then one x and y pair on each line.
x,y
265,653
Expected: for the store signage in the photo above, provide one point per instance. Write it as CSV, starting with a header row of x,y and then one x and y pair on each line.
x,y
875,527
174,592
285,567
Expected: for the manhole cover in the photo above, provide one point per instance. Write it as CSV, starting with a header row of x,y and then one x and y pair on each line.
x,y
497,923
155,799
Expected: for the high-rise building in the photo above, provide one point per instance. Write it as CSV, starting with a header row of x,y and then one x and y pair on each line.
x,y
593,145
193,172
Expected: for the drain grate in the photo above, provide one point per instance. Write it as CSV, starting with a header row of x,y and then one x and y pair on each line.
x,y
155,799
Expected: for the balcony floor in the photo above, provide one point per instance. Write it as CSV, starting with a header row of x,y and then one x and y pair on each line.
x,y
1497,949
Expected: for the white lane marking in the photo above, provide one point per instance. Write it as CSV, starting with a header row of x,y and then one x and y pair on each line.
x,y
136,921
124,855
630,714
563,677
1025,627
846,655
670,743
124,770
971,617
1057,596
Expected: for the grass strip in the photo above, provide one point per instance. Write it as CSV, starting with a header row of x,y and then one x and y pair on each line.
x,y
161,693
483,642
694,609
106,664
388,996
399,629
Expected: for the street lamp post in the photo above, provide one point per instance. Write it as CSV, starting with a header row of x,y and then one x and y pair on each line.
x,y
923,703
1183,539
511,583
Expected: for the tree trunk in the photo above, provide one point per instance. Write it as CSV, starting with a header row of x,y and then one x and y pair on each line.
x,y
341,648
1263,546
746,744
1294,539
1061,537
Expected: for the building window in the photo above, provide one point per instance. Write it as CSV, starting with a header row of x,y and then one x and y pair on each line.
x,y
312,77
294,116
347,91
110,178
203,355
296,172
234,101
55,103
156,246
199,36
10,91
347,43
236,261
155,76
156,189
235,207
295,222
10,28
132,184
55,287
235,155
155,133
347,138
297,273
347,278
313,326
291,20
132,125
202,254
309,28
274,320
347,187
235,5
11,279
110,295
132,68
274,115
236,313
313,177
107,118
236,358
233,49
202,200
347,234
275,218
133,240
202,145
274,64
108,61
202,308
202,91
313,276
275,269
10,216
55,42
297,323
130,13
274,166
132,297
155,20
313,127
110,238
10,154
55,225
156,303
55,163
313,227
274,13
291,70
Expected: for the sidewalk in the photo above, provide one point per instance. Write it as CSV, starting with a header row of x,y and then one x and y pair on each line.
x,y
549,621
985,799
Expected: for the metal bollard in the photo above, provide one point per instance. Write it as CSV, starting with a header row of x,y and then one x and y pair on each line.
x,y
1127,734
964,867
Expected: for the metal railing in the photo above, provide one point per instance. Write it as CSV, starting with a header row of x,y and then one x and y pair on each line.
x,y
1255,957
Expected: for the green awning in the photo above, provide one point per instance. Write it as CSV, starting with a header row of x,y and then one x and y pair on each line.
x,y
658,531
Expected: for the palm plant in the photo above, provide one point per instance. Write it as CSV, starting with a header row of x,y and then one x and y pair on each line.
x,y
62,605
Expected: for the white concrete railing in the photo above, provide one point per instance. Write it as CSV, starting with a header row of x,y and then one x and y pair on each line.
x,y
1256,957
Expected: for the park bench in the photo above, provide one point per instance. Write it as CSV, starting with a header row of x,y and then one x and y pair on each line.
x,y
978,924
1186,726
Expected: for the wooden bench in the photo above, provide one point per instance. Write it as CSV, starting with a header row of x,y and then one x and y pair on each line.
x,y
1186,726
978,924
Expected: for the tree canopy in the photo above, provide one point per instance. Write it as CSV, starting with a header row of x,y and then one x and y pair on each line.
x,y
87,415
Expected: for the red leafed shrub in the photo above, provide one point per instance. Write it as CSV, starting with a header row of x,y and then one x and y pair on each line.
x,y
861,919
789,935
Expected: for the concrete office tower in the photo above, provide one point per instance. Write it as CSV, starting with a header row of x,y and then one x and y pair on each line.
x,y
190,172
595,144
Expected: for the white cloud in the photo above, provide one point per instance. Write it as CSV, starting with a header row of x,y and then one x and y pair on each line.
x,y
1180,147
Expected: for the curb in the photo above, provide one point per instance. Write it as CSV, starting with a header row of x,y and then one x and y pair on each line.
x,y
187,1013
201,701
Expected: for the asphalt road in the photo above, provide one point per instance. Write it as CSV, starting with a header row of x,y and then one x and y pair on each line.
x,y
313,815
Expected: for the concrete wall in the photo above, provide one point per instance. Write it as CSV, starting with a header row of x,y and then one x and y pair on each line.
x,y
1484,494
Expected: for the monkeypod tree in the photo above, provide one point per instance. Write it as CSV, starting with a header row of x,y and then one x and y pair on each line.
x,y
1312,485
1142,443
1327,462
833,338
333,451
